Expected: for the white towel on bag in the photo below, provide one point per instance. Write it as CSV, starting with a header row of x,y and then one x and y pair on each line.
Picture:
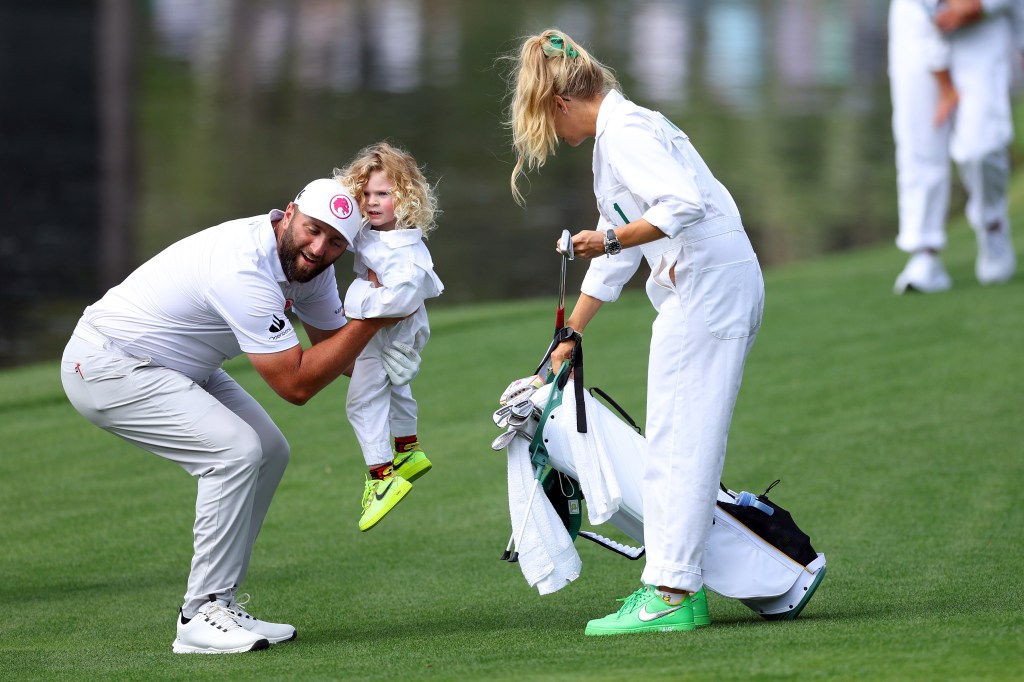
x,y
547,557
589,455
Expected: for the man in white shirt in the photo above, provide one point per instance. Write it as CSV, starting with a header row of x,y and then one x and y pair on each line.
x,y
144,363
950,71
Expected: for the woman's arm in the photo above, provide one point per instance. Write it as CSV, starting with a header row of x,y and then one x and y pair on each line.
x,y
590,243
582,313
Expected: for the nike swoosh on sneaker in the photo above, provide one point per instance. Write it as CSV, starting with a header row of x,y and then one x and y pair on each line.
x,y
381,494
402,461
646,616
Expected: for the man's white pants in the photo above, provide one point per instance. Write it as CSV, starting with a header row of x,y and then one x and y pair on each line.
x,y
216,432
376,409
699,344
976,137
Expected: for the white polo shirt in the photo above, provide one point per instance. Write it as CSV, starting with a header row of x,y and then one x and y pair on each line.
x,y
212,296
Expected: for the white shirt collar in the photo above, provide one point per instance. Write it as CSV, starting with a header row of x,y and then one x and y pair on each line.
x,y
611,100
397,238
268,242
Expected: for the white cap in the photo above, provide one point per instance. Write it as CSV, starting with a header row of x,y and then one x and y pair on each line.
x,y
327,200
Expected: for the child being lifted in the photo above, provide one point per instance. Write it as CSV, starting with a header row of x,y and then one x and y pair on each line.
x,y
395,275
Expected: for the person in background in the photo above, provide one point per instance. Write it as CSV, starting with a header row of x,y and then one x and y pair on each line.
x,y
144,363
950,70
657,200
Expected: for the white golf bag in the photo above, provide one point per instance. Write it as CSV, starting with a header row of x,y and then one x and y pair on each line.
x,y
754,553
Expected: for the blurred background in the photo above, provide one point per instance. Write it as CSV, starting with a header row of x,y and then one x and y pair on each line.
x,y
128,124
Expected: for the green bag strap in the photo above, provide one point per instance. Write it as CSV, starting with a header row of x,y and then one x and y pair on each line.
x,y
539,453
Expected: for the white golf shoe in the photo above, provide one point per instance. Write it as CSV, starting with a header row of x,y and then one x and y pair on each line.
x,y
924,272
274,632
996,260
213,630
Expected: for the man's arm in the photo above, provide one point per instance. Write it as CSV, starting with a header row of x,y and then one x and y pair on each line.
x,y
297,375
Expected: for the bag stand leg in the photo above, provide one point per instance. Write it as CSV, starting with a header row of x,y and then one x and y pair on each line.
x,y
789,605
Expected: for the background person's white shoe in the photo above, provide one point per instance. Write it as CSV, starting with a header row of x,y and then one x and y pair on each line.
x,y
213,630
924,272
274,632
996,260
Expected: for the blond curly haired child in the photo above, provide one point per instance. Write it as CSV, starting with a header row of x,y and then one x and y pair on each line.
x,y
395,275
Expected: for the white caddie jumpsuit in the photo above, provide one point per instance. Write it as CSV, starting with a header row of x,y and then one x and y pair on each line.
x,y
144,363
644,166
980,60
405,270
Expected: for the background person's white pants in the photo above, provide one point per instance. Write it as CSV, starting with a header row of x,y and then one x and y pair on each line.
x,y
217,433
976,137
376,409
699,344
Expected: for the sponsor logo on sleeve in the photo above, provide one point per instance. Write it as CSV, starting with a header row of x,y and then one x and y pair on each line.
x,y
276,325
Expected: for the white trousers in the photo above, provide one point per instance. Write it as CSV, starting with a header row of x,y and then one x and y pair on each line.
x,y
376,409
976,137
216,432
699,344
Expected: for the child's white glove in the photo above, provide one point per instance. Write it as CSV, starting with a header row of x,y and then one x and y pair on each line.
x,y
401,362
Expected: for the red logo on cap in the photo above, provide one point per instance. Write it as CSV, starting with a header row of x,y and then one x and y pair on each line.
x,y
341,206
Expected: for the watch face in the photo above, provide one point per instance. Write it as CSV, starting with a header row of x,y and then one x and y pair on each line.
x,y
612,245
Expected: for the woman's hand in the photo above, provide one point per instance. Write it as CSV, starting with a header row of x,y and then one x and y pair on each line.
x,y
372,276
587,244
561,354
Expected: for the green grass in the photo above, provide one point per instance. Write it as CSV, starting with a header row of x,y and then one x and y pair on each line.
x,y
893,422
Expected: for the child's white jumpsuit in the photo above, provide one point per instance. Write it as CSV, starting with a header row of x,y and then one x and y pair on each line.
x,y
404,268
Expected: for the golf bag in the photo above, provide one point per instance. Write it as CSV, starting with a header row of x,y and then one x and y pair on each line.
x,y
754,553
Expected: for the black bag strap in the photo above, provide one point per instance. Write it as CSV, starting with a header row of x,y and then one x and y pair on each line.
x,y
618,408
576,368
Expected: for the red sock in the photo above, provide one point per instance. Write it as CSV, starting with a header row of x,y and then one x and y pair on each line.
x,y
382,471
405,443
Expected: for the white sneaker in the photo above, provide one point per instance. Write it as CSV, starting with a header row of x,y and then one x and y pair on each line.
x,y
213,630
275,632
924,272
996,260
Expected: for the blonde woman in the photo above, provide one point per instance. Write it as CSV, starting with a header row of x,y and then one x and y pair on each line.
x,y
394,276
657,201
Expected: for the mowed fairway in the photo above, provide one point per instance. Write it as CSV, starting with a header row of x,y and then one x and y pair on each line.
x,y
895,424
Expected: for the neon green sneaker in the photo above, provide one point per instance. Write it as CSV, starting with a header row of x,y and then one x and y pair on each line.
x,y
699,602
644,611
379,497
412,464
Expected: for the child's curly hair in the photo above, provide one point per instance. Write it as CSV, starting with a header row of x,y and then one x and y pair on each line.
x,y
414,199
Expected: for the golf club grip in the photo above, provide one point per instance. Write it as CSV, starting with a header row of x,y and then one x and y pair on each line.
x,y
559,318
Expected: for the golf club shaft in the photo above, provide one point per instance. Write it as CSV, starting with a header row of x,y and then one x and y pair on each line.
x,y
526,516
560,312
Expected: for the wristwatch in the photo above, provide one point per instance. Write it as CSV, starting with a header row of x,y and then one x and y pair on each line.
x,y
612,245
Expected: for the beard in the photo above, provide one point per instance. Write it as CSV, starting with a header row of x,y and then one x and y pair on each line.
x,y
296,267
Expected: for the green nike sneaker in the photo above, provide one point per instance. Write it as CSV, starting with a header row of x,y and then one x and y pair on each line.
x,y
699,602
412,464
379,497
644,611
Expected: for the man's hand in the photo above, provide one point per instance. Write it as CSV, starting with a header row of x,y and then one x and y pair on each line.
x,y
401,362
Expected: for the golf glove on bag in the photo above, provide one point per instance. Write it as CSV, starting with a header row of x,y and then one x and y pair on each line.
x,y
401,362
